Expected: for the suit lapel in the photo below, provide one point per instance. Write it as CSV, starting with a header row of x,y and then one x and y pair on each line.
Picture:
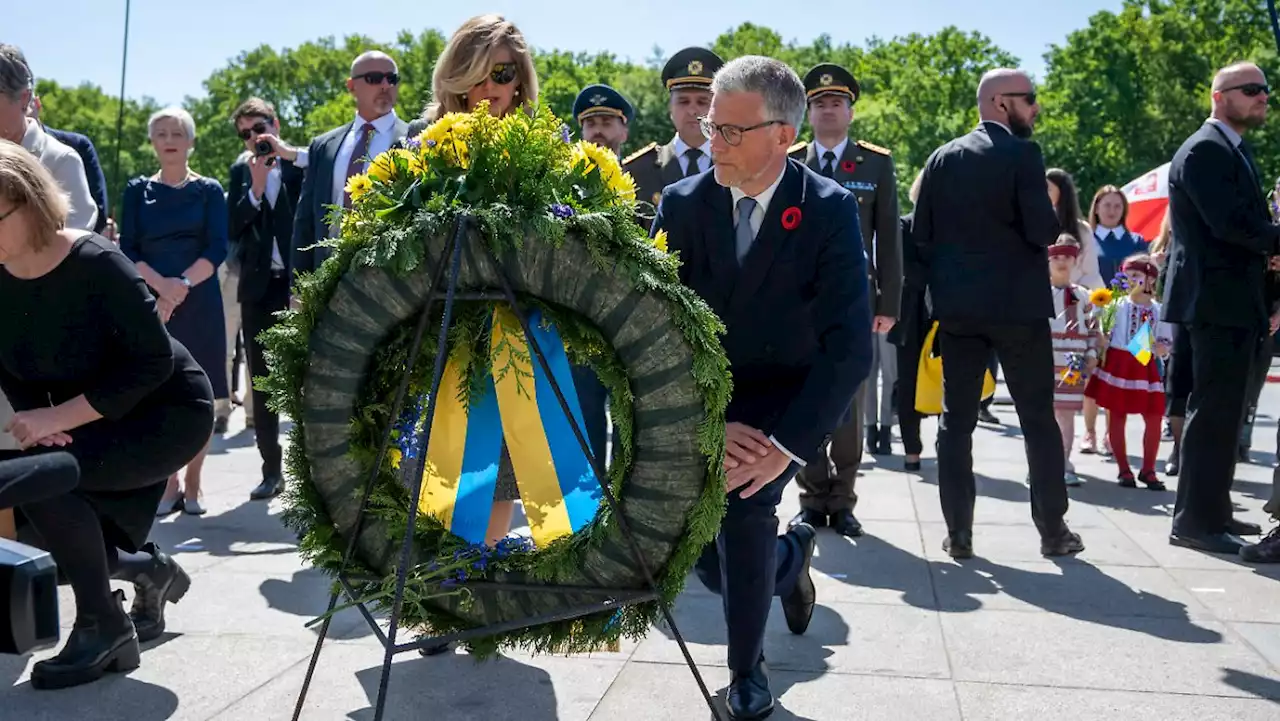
x,y
671,170
770,238
399,131
325,170
811,158
721,255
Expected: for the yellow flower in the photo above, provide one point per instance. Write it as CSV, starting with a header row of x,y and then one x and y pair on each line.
x,y
591,156
395,456
358,185
448,138
660,241
1100,297
383,167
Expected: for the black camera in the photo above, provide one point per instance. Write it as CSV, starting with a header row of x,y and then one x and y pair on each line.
x,y
262,147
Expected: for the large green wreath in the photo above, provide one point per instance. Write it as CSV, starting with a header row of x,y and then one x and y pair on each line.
x,y
559,217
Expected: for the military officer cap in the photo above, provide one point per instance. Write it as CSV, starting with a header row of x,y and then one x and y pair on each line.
x,y
829,78
691,68
602,100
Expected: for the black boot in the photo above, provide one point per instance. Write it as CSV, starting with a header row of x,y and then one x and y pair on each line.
x,y
873,438
98,644
163,583
884,441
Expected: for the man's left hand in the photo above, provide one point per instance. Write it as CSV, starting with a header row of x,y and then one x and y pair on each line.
x,y
883,324
279,148
752,477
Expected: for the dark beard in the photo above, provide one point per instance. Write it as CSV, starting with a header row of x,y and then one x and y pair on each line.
x,y
1246,121
1020,128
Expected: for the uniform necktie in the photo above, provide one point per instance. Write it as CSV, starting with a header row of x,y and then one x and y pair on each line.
x,y
691,157
744,236
829,164
356,164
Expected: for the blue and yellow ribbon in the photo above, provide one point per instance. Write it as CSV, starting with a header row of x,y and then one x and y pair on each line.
x,y
557,486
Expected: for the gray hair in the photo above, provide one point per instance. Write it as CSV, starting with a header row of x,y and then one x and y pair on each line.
x,y
774,80
184,119
15,73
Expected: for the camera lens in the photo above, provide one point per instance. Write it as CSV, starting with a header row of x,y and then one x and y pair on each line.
x,y
262,147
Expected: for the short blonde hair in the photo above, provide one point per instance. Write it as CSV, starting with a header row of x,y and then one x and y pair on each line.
x,y
465,63
25,182
914,192
184,119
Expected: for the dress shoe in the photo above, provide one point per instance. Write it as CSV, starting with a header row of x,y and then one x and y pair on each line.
x,y
911,466
1152,482
846,524
884,442
220,425
1172,467
959,545
1243,528
986,416
164,583
1208,542
1062,543
271,486
798,605
810,517
749,697
98,644
1265,551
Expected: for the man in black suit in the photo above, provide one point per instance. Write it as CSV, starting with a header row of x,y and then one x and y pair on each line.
x,y
345,151
776,251
88,155
261,200
983,222
1216,289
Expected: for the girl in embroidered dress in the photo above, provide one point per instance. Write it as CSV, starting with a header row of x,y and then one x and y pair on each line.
x,y
1124,385
1076,341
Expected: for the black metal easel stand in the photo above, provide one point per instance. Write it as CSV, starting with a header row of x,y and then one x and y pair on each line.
x,y
611,599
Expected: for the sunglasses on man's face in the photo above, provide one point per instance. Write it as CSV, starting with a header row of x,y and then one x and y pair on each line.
x,y
1030,97
1251,90
375,77
257,129
503,73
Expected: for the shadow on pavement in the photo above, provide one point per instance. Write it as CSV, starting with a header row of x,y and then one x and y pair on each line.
x,y
1260,686
500,689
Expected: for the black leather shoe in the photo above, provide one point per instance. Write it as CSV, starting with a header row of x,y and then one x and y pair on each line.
x,y
1208,542
873,439
749,697
163,584
97,645
798,605
911,466
1063,543
810,517
1243,528
959,544
884,442
1265,551
271,486
846,524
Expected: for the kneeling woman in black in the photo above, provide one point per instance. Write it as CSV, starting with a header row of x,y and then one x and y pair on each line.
x,y
90,370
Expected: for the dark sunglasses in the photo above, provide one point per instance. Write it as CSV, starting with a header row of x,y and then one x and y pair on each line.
x,y
375,77
1251,90
503,73
257,129
1030,97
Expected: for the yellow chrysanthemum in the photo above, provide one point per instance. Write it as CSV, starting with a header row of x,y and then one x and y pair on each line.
x,y
358,185
591,156
1100,297
660,241
395,456
448,138
383,167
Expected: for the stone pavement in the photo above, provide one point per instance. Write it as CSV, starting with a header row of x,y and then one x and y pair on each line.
x,y
1133,629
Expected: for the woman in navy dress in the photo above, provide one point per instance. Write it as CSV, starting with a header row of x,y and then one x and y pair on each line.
x,y
175,230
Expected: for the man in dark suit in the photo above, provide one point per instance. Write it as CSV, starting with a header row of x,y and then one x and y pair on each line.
x,y
261,199
827,495
776,251
88,155
1216,289
983,223
345,151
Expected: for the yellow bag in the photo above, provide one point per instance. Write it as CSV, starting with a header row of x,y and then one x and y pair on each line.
x,y
929,378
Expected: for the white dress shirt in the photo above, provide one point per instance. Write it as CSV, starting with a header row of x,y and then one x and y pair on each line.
x,y
704,160
66,167
379,143
757,219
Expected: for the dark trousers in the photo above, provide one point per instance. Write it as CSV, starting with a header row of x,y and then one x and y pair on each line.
x,y
594,400
748,565
827,484
1025,352
257,316
1178,374
1257,381
1221,360
911,338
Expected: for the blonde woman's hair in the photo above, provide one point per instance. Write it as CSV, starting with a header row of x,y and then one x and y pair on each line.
x,y
465,63
26,183
1161,243
914,192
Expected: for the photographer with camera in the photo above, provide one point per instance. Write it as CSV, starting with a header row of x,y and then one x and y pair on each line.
x,y
266,181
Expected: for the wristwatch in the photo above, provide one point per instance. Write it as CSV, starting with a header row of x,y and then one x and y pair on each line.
x,y
185,282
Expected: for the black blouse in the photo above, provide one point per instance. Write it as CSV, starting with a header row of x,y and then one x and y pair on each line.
x,y
89,327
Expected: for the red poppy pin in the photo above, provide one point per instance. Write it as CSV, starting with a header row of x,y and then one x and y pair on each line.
x,y
848,166
791,218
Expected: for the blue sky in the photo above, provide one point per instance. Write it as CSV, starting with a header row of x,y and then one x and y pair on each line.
x,y
174,46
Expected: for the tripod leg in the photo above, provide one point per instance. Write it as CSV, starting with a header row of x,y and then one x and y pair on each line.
x,y
315,656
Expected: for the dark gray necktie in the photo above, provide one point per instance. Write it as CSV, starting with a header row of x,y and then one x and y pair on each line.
x,y
744,236
829,164
691,156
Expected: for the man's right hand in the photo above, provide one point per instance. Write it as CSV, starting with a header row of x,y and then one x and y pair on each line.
x,y
744,445
258,171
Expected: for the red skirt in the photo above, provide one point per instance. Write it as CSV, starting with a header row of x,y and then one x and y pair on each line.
x,y
1123,385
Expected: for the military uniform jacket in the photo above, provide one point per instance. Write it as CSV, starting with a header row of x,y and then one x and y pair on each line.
x,y
867,171
653,167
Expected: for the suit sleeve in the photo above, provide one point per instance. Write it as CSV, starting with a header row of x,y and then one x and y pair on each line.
x,y
303,259
130,243
1039,222
242,210
922,225
1209,177
888,243
97,184
68,170
677,240
841,316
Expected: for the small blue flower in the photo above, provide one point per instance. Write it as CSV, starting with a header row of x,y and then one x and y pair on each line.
x,y
431,143
560,210
414,144
448,583
564,134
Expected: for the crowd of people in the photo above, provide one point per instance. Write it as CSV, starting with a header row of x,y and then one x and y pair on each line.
x,y
122,363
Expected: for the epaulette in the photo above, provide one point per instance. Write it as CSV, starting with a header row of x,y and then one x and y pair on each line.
x,y
648,148
873,147
797,147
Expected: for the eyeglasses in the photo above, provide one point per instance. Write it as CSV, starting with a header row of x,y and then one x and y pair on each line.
x,y
1251,90
732,134
1029,96
503,73
375,77
257,129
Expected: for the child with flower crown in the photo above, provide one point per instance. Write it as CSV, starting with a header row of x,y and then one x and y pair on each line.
x,y
1125,384
1076,342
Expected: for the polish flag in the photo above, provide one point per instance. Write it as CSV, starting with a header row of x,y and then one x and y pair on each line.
x,y
1148,198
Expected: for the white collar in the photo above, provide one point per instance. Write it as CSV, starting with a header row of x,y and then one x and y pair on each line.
x,y
763,198
682,146
383,124
838,150
1230,132
1102,231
